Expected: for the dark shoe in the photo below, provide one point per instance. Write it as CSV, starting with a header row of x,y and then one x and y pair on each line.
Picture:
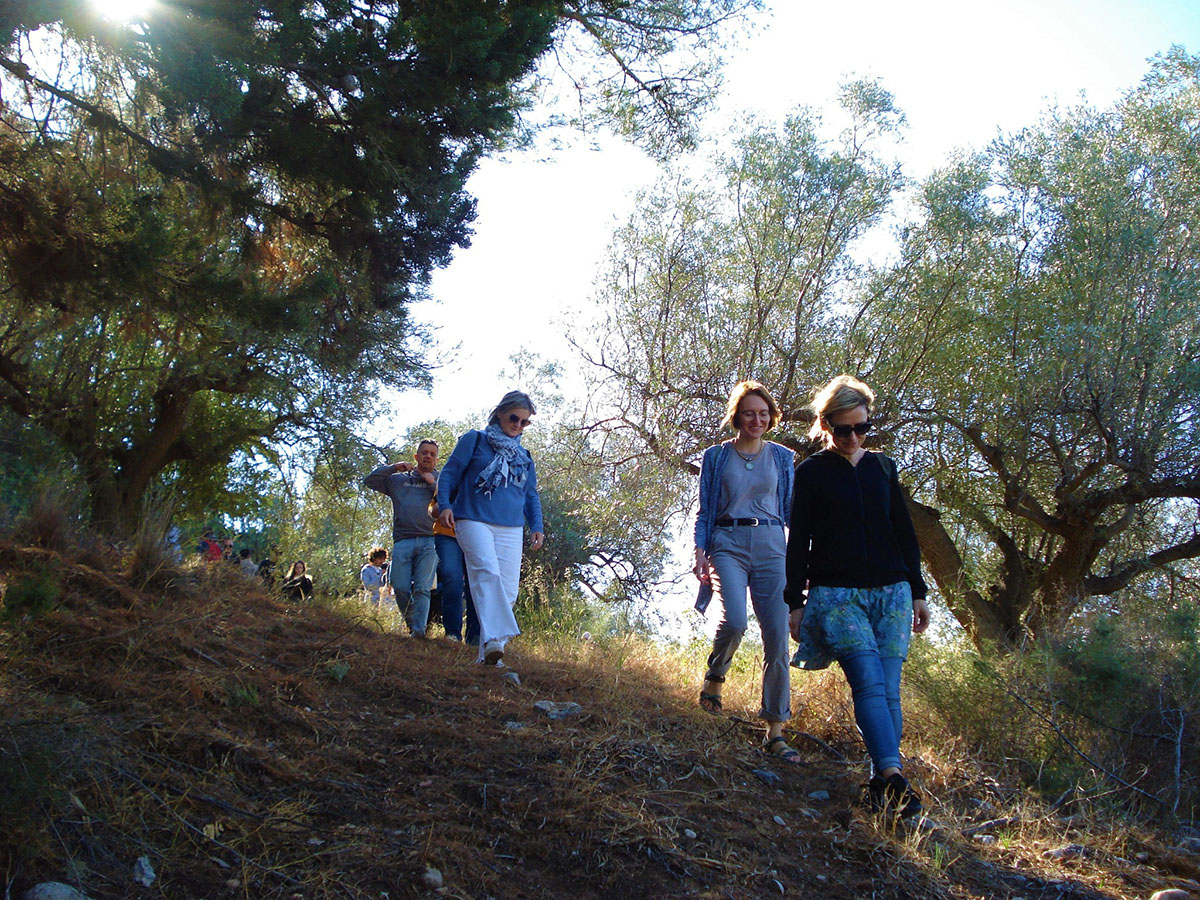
x,y
893,795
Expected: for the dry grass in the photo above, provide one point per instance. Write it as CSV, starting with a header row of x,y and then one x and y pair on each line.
x,y
255,749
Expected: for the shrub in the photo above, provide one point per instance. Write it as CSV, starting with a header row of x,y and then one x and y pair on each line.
x,y
48,522
32,594
1105,710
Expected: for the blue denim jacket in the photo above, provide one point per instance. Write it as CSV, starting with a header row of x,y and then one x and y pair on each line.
x,y
712,466
508,506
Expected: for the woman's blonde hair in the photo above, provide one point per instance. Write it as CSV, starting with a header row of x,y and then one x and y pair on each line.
x,y
740,392
843,393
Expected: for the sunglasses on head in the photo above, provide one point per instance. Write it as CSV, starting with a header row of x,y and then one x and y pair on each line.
x,y
844,431
517,420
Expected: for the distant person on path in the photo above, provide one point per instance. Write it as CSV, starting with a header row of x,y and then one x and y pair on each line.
x,y
414,556
489,486
211,547
854,578
745,502
372,575
171,542
246,564
298,585
266,568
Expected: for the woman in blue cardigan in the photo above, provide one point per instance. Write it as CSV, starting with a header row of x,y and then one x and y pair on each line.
x,y
487,492
745,502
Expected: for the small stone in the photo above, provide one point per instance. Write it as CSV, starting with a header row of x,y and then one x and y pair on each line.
x,y
1171,894
810,812
432,879
513,726
689,834
1070,851
512,678
314,842
1190,845
1142,857
558,710
143,872
985,838
819,796
661,783
53,890
767,777
779,821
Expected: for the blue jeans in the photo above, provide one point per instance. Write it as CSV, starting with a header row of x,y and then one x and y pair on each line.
x,y
414,561
875,686
452,580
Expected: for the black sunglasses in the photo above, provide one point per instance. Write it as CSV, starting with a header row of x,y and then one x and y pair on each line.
x,y
844,431
517,420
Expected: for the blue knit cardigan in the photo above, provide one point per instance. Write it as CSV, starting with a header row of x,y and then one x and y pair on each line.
x,y
712,467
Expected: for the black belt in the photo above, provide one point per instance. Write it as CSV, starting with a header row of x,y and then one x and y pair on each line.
x,y
752,523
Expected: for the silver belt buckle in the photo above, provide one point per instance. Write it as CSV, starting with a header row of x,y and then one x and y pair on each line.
x,y
753,522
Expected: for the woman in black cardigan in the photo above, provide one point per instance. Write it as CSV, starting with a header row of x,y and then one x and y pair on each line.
x,y
854,577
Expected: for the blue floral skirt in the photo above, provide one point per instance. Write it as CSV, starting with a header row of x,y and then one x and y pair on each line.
x,y
839,621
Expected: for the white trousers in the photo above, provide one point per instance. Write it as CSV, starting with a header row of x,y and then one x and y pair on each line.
x,y
493,557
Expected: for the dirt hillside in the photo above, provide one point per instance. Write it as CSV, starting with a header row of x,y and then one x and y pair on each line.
x,y
249,748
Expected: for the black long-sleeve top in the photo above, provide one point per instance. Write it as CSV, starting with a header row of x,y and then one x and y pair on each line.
x,y
850,528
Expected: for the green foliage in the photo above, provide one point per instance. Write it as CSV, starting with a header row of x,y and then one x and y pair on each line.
x,y
337,669
215,219
1032,343
733,276
239,693
1114,703
32,593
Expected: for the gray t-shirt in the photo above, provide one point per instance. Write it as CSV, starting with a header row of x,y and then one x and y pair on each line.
x,y
410,495
749,493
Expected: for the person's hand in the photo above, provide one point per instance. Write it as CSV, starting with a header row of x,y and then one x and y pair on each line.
x,y
402,466
920,616
795,617
446,518
429,477
703,567
536,540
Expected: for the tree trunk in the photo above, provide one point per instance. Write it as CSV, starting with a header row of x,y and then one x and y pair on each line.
x,y
993,622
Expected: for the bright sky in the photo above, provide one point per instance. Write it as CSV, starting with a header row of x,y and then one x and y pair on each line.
x,y
962,72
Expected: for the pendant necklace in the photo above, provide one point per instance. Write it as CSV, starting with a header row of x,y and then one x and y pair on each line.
x,y
749,460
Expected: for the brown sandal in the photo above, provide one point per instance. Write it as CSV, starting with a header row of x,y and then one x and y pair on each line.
x,y
710,703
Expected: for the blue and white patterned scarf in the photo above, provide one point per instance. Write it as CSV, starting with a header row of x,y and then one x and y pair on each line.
x,y
508,466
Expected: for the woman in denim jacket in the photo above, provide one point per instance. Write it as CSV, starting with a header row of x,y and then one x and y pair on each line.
x,y
853,551
745,501
488,493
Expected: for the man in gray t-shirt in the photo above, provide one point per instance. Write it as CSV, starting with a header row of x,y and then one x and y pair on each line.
x,y
414,556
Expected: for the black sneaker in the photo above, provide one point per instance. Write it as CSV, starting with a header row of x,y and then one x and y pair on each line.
x,y
893,794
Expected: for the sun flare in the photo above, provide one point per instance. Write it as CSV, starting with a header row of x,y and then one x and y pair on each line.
x,y
123,10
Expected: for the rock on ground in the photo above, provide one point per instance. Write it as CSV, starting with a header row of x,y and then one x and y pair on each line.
x,y
54,890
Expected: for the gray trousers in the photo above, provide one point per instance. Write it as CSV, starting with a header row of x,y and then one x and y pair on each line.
x,y
746,557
